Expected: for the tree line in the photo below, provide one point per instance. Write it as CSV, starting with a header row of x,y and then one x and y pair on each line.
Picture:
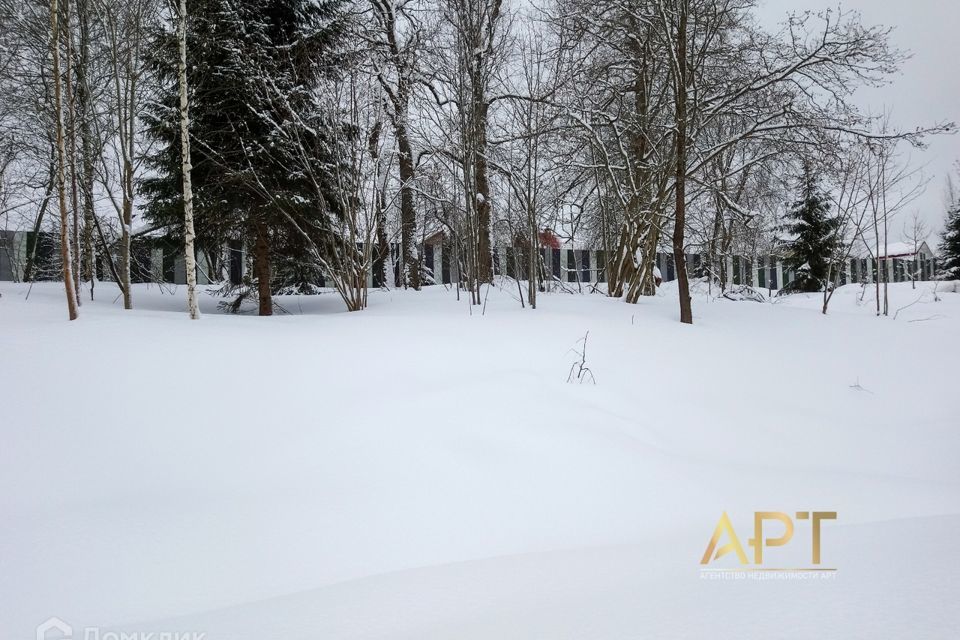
x,y
318,134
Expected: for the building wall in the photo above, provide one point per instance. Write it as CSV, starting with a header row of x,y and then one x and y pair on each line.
x,y
8,248
13,255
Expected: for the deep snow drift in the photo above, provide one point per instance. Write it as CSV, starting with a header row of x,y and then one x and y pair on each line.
x,y
418,471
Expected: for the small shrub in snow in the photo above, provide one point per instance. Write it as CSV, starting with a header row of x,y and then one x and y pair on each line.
x,y
739,293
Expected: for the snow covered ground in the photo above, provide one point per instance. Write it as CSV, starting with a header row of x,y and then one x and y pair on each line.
x,y
415,471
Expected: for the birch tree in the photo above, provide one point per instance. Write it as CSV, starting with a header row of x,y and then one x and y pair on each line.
x,y
126,28
189,254
65,256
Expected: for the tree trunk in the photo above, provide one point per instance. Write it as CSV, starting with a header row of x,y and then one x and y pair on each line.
x,y
532,255
125,257
876,272
648,284
190,260
482,181
61,163
686,310
409,263
261,267
636,255
72,156
381,252
86,146
886,240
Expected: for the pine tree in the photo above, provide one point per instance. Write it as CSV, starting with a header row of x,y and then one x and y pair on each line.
x,y
813,233
254,69
949,257
212,80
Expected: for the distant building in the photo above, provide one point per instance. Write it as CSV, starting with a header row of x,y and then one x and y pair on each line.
x,y
905,251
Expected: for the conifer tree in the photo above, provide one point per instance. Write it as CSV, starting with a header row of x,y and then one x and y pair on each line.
x,y
254,69
949,257
813,235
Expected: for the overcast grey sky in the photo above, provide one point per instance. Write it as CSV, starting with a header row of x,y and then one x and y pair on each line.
x,y
926,91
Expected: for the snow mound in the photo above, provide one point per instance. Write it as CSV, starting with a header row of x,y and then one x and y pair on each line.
x,y
423,470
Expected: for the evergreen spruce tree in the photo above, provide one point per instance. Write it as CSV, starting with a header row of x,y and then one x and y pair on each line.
x,y
254,69
949,258
813,233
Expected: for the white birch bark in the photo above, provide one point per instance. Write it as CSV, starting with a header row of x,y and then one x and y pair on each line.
x,y
190,261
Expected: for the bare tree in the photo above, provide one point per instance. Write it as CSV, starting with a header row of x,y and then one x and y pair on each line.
x,y
916,233
126,25
71,145
190,261
852,199
397,39
478,38
678,23
722,75
529,152
617,96
61,161
893,185
84,114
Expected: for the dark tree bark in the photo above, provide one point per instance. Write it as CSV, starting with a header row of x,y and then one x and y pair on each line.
x,y
126,259
478,43
86,144
408,213
481,175
686,311
261,267
382,249
401,55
